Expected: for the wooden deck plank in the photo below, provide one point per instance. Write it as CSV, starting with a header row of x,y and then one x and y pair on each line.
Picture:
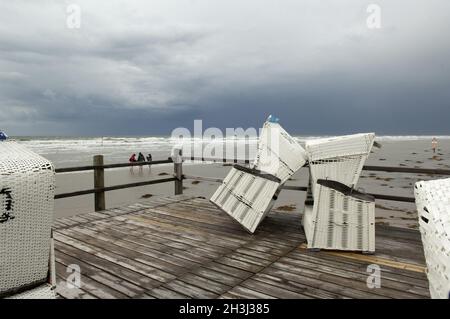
x,y
317,280
401,289
211,221
164,293
167,261
217,276
161,269
360,268
189,290
129,263
126,288
107,266
185,247
245,293
341,260
273,290
95,288
182,231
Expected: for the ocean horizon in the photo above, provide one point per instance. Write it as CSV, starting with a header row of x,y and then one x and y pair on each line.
x,y
67,151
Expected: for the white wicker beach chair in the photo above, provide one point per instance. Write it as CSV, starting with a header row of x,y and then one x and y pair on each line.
x,y
27,187
433,207
278,153
341,219
339,158
248,194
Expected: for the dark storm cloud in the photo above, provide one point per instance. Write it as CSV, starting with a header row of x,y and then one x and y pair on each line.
x,y
147,67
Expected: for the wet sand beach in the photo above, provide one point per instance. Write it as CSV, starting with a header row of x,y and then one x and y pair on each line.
x,y
407,153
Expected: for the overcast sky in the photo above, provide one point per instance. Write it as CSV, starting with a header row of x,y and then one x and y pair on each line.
x,y
147,67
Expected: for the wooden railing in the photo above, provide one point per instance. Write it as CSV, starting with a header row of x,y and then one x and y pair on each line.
x,y
99,179
99,184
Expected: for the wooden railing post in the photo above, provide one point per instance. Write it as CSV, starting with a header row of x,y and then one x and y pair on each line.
x,y
99,182
178,170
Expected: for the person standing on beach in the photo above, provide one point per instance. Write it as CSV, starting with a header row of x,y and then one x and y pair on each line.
x,y
141,158
132,160
149,159
434,144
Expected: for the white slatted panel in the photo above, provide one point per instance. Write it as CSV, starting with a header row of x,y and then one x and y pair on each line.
x,y
278,153
433,207
245,197
340,222
339,158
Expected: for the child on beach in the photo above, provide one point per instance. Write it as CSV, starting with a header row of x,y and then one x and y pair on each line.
x,y
434,144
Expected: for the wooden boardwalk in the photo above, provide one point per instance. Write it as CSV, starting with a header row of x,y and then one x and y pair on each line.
x,y
184,247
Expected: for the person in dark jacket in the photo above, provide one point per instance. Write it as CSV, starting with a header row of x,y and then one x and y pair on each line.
x,y
141,158
149,159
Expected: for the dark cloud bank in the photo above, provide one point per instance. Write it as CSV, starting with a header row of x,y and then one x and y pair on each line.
x,y
145,68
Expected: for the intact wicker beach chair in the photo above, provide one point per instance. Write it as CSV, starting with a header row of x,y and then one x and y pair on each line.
x,y
27,187
248,194
341,219
433,207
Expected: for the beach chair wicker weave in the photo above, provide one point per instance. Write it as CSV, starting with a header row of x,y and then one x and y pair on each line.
x,y
433,207
44,291
341,219
278,153
26,214
339,158
248,194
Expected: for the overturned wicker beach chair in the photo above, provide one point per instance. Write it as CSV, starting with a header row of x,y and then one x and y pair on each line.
x,y
339,158
248,194
341,217
433,207
27,187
